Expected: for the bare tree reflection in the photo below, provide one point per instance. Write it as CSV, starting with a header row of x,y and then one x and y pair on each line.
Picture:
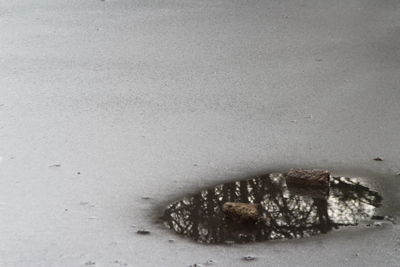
x,y
294,212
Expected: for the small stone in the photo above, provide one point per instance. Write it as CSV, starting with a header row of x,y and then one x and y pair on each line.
x,y
308,177
241,210
146,198
378,159
78,173
55,165
171,240
143,232
249,258
210,262
90,263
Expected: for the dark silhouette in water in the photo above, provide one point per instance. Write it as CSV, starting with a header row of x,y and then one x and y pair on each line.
x,y
293,212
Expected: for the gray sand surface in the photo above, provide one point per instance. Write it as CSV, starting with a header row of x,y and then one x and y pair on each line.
x,y
160,98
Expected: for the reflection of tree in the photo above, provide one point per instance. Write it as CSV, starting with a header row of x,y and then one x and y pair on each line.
x,y
293,213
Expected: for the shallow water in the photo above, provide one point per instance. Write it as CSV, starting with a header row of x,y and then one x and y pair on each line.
x,y
291,211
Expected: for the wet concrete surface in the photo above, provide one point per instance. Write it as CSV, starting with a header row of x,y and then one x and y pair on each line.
x,y
162,99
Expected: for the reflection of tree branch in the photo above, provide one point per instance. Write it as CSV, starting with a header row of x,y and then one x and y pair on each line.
x,y
201,217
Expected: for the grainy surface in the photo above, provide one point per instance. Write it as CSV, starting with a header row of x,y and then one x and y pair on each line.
x,y
160,98
241,211
308,177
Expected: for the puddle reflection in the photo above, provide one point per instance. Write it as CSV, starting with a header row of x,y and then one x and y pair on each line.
x,y
293,211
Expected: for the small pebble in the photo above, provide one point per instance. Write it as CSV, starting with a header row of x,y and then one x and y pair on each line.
x,y
378,159
143,232
249,258
210,262
90,263
146,198
171,241
55,165
78,173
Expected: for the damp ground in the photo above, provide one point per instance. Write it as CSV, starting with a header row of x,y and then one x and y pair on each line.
x,y
292,211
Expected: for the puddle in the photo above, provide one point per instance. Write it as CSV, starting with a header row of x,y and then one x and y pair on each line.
x,y
292,211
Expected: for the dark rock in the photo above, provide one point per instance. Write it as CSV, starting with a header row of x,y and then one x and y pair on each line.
x,y
249,258
143,232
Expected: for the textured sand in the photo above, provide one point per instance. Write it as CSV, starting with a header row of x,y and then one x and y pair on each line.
x,y
159,98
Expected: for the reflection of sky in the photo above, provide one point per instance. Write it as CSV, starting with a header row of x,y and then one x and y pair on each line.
x,y
348,211
293,212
